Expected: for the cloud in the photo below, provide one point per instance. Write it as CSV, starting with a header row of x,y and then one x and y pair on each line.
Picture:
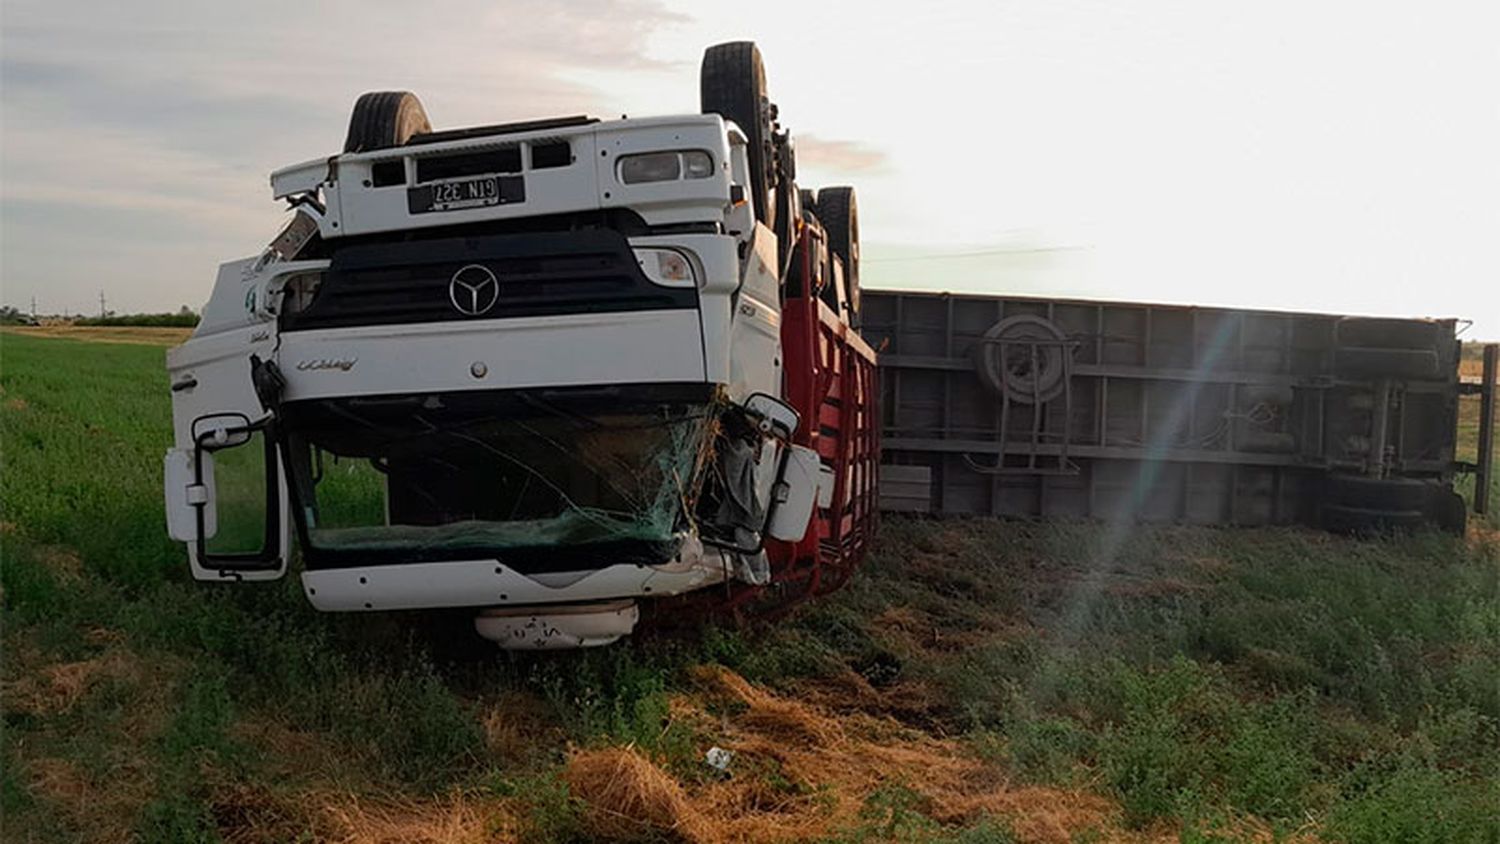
x,y
156,123
839,156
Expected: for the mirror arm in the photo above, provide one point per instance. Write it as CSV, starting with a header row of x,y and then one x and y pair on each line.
x,y
269,383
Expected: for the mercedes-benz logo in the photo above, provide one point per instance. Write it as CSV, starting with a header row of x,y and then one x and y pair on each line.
x,y
473,290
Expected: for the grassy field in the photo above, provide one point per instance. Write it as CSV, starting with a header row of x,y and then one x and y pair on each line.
x,y
980,682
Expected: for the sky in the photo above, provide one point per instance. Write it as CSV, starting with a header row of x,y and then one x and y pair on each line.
x,y
1331,156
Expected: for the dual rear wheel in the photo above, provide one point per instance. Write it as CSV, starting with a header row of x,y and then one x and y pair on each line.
x,y
732,84
1363,505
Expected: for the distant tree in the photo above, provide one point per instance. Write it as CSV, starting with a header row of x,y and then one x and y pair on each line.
x,y
10,315
177,320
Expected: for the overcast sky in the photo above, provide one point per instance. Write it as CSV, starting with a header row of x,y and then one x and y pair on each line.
x,y
1293,155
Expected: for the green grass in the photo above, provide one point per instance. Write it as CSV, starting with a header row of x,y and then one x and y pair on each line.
x,y
1195,675
83,428
1284,674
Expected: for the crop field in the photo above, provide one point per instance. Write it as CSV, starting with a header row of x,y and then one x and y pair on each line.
x,y
980,681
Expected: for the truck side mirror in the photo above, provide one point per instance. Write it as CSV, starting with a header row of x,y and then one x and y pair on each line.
x,y
185,495
775,417
794,494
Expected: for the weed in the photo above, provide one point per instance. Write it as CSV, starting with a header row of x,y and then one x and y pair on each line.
x,y
550,812
1195,674
1039,748
1413,802
892,812
987,831
615,696
195,742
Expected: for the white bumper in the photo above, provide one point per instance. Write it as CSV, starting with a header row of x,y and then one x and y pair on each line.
x,y
487,583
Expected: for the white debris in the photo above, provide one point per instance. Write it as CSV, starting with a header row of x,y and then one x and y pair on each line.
x,y
718,758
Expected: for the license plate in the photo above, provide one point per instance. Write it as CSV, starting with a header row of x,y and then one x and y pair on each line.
x,y
465,193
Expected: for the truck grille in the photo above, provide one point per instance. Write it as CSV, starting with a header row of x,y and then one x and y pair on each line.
x,y
543,274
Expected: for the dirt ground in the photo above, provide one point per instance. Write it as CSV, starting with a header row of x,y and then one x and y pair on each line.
x,y
107,334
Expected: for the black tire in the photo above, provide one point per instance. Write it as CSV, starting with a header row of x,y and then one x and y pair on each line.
x,y
1378,494
1367,522
385,119
1395,364
839,214
732,84
1378,333
1449,512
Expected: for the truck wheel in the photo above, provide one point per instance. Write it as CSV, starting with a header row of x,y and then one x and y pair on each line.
x,y
839,214
1365,521
385,119
732,84
1378,494
1449,512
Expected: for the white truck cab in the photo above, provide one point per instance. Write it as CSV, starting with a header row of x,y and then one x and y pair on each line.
x,y
534,369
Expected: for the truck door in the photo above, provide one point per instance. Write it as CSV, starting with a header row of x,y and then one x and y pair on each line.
x,y
226,491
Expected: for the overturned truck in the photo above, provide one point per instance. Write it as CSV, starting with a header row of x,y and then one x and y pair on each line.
x,y
1035,407
568,372
560,372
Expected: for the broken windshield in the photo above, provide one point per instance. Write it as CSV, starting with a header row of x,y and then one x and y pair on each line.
x,y
438,475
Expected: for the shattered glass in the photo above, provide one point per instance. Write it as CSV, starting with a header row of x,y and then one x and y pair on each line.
x,y
454,473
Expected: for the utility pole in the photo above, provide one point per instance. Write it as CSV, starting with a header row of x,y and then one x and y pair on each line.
x,y
33,309
102,313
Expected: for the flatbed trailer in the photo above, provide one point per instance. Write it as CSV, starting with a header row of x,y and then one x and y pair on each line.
x,y
1036,407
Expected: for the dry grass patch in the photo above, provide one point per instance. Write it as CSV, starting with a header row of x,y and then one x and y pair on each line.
x,y
55,689
295,757
145,336
517,725
804,771
93,789
630,798
90,806
246,814
453,820
910,702
81,804
64,561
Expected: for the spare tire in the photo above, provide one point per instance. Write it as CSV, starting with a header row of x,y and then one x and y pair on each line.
x,y
1020,377
839,214
385,119
732,84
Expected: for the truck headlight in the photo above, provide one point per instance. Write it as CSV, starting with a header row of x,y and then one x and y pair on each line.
x,y
665,166
666,267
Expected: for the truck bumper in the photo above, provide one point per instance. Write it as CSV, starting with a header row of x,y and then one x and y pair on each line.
x,y
488,583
